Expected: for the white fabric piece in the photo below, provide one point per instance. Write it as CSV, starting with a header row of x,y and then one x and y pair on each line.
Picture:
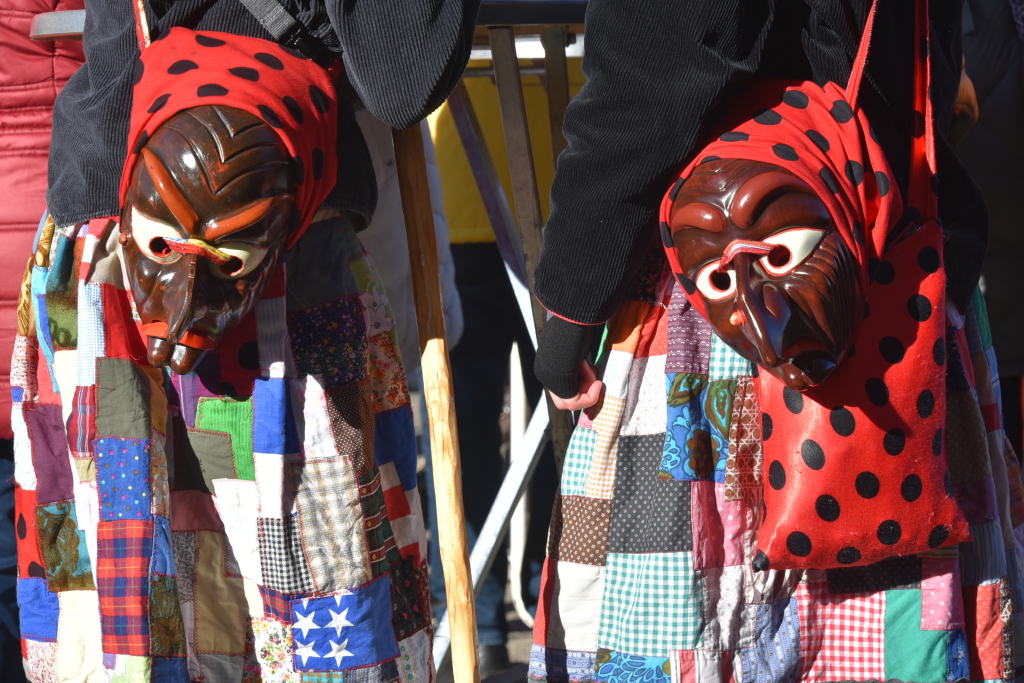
x,y
616,373
648,416
575,613
79,638
237,503
24,473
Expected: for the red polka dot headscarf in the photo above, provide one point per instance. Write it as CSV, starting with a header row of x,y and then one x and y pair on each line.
x,y
815,133
296,97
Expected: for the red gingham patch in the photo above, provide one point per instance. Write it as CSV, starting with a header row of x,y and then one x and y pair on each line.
x,y
842,635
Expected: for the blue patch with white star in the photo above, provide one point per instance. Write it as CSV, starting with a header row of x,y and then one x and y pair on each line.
x,y
344,631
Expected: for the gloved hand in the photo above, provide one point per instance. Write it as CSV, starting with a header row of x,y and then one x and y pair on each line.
x,y
560,364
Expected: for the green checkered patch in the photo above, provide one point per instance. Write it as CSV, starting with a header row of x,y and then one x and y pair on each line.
x,y
726,363
651,604
578,458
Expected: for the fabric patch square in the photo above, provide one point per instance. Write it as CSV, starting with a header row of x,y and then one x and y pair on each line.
x,y
184,545
330,340
417,662
569,613
124,550
722,597
615,666
584,526
350,411
942,602
237,503
720,526
553,664
41,661
689,336
699,416
984,629
169,670
387,378
233,418
842,635
221,607
238,359
385,672
122,399
159,476
163,551
91,340
275,346
221,667
601,477
276,605
776,653
122,476
201,457
30,560
410,606
50,457
344,631
380,540
273,424
652,604
910,653
166,629
394,441
743,464
334,532
82,422
268,655
726,363
38,610
578,457
645,400
649,514
894,572
281,557
62,545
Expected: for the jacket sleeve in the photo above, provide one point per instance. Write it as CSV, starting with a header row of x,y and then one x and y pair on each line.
x,y
90,118
654,69
404,58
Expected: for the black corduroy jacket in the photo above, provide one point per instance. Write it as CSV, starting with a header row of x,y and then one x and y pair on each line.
x,y
401,58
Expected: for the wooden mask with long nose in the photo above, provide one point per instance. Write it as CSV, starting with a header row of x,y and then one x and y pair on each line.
x,y
779,283
210,203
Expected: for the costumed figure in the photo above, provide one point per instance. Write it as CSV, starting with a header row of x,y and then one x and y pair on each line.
x,y
794,472
215,455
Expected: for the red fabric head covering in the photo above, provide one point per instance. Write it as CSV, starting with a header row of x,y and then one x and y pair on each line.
x,y
296,97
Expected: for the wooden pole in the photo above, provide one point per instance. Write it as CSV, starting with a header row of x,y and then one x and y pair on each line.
x,y
437,388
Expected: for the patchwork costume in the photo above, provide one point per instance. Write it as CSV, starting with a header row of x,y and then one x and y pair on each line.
x,y
716,525
258,518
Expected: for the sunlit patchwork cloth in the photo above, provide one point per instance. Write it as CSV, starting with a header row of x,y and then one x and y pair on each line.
x,y
257,520
648,574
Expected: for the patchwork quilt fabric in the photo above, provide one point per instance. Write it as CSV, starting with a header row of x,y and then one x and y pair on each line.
x,y
649,579
256,520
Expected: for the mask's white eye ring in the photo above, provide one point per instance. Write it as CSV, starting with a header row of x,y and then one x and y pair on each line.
x,y
715,285
244,259
792,247
149,237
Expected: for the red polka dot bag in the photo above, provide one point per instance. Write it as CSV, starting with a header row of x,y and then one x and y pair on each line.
x,y
855,468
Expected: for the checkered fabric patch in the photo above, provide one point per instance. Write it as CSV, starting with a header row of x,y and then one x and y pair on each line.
x,y
276,605
842,635
91,341
281,557
726,363
124,550
651,604
577,461
82,422
379,538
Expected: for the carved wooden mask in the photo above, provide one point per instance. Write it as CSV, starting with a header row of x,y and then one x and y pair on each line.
x,y
779,283
210,204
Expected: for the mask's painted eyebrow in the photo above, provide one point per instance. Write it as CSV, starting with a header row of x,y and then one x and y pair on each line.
x,y
698,215
244,218
169,192
750,200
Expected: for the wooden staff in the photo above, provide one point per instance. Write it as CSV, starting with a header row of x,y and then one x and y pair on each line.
x,y
437,388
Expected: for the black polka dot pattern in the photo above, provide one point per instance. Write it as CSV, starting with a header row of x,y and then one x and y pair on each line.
x,y
867,485
785,152
794,400
300,170
268,115
938,536
827,508
799,544
939,351
813,454
883,183
182,66
947,484
270,60
830,180
22,527
777,475
819,140
666,236
209,41
686,283
245,72
734,136
928,259
925,403
894,441
766,426
211,90
886,274
842,421
841,111
911,488
889,532
228,389
877,392
892,349
937,443
158,104
249,356
675,188
848,555
919,308
795,99
141,142
320,101
140,69
709,159
854,172
768,117
36,571
760,562
318,164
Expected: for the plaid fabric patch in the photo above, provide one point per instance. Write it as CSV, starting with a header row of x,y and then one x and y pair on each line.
x,y
124,549
379,538
91,340
842,635
334,532
577,461
82,422
726,363
281,558
277,605
651,604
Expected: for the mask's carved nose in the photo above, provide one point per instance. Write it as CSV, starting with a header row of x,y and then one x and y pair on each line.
x,y
761,314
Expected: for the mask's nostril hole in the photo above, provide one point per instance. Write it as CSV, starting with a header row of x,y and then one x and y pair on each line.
x,y
232,266
159,247
721,281
779,256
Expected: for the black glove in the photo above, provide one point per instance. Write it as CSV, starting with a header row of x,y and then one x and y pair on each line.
x,y
560,350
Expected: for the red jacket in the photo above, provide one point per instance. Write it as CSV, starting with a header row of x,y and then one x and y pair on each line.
x,y
31,74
